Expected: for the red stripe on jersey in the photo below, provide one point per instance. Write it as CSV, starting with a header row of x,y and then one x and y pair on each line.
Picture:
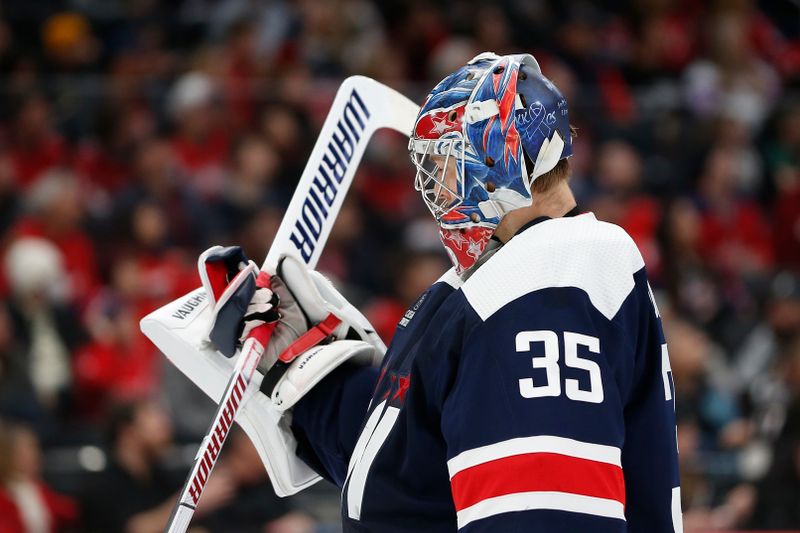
x,y
537,472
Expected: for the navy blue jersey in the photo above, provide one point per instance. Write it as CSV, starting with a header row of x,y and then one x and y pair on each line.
x,y
535,396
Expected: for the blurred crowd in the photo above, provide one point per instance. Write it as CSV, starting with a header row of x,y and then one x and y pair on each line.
x,y
136,133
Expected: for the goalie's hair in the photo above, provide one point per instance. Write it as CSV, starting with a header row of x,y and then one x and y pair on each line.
x,y
548,180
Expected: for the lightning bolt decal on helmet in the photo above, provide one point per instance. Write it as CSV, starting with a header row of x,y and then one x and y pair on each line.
x,y
468,142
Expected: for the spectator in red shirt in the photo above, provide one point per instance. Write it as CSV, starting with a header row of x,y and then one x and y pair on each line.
x,y
240,74
161,272
56,213
119,363
783,158
35,146
786,221
385,177
619,178
105,163
200,141
27,504
735,237
150,270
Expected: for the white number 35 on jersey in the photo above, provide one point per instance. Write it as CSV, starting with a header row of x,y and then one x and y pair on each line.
x,y
526,342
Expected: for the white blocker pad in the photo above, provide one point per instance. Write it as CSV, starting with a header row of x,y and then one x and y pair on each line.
x,y
178,330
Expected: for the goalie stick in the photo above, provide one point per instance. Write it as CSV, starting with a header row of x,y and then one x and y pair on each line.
x,y
361,107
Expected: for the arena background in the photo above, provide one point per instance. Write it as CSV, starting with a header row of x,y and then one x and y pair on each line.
x,y
134,134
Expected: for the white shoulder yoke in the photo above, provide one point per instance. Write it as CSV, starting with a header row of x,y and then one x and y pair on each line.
x,y
596,257
451,278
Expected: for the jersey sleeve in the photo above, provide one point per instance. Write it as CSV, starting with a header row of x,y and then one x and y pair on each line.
x,y
548,397
326,422
650,455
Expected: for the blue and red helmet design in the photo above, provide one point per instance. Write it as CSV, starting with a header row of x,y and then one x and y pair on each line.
x,y
475,137
442,113
452,93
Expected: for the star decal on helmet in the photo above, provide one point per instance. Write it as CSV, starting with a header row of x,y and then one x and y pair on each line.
x,y
475,249
456,238
440,126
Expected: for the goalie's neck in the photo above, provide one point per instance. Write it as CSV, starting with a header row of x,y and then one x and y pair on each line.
x,y
554,203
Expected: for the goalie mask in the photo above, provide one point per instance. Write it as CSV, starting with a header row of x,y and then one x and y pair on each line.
x,y
483,135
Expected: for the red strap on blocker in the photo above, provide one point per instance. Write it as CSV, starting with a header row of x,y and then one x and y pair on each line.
x,y
310,338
